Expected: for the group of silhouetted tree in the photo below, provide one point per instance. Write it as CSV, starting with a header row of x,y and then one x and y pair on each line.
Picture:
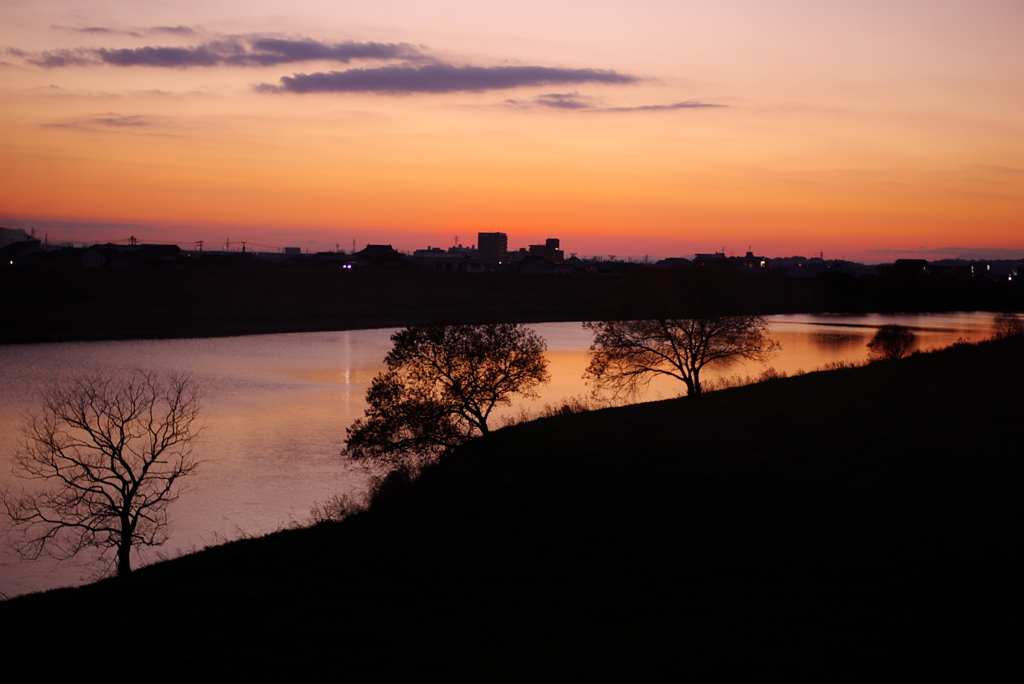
x,y
111,452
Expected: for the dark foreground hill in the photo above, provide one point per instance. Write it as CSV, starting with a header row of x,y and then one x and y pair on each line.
x,y
833,524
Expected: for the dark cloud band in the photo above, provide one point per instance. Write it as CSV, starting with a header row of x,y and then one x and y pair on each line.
x,y
252,51
415,72
440,78
161,56
270,51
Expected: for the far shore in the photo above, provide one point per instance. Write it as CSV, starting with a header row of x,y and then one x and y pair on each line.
x,y
94,334
83,305
75,304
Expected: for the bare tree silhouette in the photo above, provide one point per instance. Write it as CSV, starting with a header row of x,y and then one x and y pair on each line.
x,y
109,454
627,355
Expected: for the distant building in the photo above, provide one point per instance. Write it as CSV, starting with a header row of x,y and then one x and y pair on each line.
x,y
533,264
671,262
492,248
111,255
912,268
701,259
15,253
430,253
549,251
379,256
750,262
458,258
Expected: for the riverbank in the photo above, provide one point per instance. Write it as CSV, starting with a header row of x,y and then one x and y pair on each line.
x,y
62,305
822,524
74,304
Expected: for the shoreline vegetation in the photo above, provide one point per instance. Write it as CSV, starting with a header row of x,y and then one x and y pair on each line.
x,y
831,523
79,304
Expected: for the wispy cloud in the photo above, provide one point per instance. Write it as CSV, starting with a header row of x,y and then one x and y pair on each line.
x,y
577,102
108,120
122,121
563,101
968,253
54,58
107,30
104,29
439,78
178,30
1001,170
79,230
246,51
689,104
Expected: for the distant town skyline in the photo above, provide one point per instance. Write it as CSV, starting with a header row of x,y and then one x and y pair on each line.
x,y
875,256
869,131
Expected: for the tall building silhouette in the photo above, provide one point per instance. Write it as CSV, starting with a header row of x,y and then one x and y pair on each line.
x,y
492,248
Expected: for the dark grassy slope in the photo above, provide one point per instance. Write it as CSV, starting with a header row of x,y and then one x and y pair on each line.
x,y
824,522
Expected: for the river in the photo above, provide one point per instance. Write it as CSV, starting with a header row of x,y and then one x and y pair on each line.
x,y
276,408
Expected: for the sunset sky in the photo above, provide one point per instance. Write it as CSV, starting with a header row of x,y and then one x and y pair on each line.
x,y
867,130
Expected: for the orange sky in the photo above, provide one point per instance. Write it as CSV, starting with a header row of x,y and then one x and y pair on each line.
x,y
868,130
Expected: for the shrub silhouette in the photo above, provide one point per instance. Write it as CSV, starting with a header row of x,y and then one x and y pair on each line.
x,y
892,341
1008,325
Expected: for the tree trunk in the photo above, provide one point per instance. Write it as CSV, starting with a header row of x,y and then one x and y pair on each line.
x,y
124,552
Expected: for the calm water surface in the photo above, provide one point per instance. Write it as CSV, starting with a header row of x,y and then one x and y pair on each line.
x,y
277,406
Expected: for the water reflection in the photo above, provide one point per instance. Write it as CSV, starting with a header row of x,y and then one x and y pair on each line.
x,y
833,341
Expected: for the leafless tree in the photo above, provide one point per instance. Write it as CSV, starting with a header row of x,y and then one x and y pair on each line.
x,y
109,454
441,386
627,355
892,341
